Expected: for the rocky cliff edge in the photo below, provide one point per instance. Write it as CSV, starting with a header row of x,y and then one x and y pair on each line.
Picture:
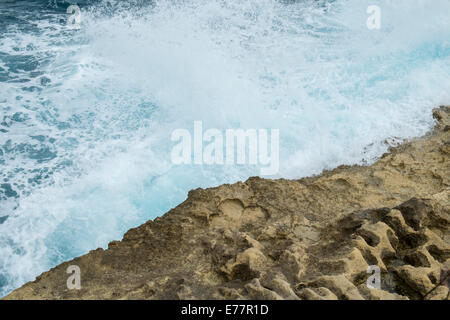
x,y
313,238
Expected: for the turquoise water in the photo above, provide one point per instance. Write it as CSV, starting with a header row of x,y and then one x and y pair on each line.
x,y
86,114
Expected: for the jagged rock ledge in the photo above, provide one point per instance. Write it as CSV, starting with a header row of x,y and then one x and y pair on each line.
x,y
312,238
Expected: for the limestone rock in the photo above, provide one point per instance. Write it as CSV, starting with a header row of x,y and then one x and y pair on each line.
x,y
313,238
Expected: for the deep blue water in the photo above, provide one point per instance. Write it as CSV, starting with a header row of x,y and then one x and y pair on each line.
x,y
86,113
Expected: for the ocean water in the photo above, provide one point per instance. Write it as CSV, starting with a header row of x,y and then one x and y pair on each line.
x,y
86,114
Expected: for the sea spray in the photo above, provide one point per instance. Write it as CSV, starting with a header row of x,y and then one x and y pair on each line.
x,y
86,115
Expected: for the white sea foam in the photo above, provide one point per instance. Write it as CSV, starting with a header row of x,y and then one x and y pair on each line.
x,y
123,82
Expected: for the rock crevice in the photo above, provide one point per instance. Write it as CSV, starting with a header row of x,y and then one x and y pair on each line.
x,y
313,238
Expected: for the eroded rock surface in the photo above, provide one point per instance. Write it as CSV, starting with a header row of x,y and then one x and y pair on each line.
x,y
312,238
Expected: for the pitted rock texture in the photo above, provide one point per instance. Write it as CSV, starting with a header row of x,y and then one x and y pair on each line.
x,y
313,238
